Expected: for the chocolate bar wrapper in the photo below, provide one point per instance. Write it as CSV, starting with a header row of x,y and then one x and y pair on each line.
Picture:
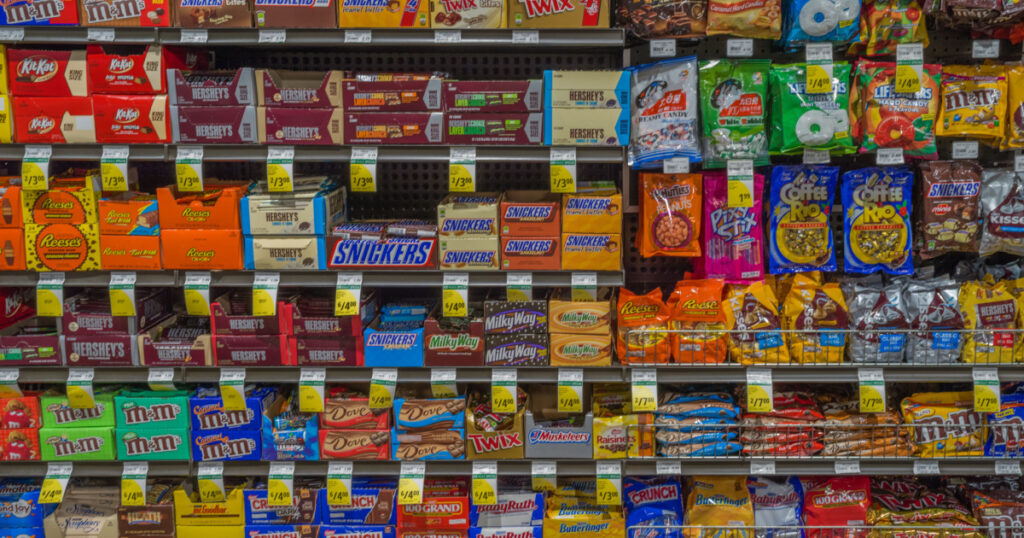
x,y
391,252
251,350
517,349
211,88
385,128
148,520
299,126
493,95
226,445
213,125
511,510
436,513
428,445
373,503
467,128
294,443
355,444
417,415
353,414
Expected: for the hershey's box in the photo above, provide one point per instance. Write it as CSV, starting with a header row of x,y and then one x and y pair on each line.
x,y
211,88
300,213
213,125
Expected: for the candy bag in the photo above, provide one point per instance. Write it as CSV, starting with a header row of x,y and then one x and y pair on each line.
x,y
641,312
886,23
718,501
799,238
986,308
878,315
657,19
752,311
876,220
840,501
954,428
732,94
760,19
777,503
670,205
897,120
696,305
932,305
732,235
817,21
818,311
1002,207
810,120
655,502
1014,134
664,112
1006,428
949,207
973,102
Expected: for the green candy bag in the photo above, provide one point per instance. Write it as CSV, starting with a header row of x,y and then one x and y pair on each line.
x,y
733,96
810,120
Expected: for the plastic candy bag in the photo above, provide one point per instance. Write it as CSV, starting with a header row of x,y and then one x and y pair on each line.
x,y
696,305
986,308
819,312
1002,207
949,207
752,311
879,316
876,220
671,219
801,202
732,235
760,19
664,115
810,120
733,95
887,23
932,305
973,102
897,120
817,21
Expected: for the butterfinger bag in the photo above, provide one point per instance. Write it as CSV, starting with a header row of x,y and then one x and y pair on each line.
x,y
718,501
671,215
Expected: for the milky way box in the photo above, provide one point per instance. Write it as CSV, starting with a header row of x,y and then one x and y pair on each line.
x,y
213,125
518,349
77,444
152,409
58,413
502,317
152,443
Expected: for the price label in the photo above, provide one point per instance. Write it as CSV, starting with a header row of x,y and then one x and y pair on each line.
x,y
1018,163
9,383
663,48
762,468
197,293
518,286
668,468
644,389
358,36
447,36
382,387
122,293
986,390
114,168
678,165
563,170
872,390
503,390
889,156
35,168
210,478
311,389
759,390
739,48
570,390
485,483
985,49
609,483
280,168
232,388
455,295
819,67
339,483
462,169
543,475
188,168
196,36
817,156
161,379
584,286
1007,467
12,34
362,170
965,149
410,482
100,34
926,467
280,480
909,67
741,183
525,37
79,388
55,482
272,36
847,467
264,293
50,295
442,383
133,483
348,293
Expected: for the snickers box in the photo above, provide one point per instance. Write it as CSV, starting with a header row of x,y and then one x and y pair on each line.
x,y
226,445
299,126
453,341
125,13
504,317
373,503
53,120
518,349
494,95
39,13
530,214
19,445
216,208
129,213
480,205
135,119
508,128
531,253
597,212
301,213
130,253
208,413
511,510
303,511
201,250
295,13
101,349
152,409
212,13
298,89
389,253
125,68
344,413
213,125
355,444
591,252
47,73
301,252
77,444
251,350
392,348
227,88
334,351
368,93
399,14
470,254
146,444
12,250
380,128
62,247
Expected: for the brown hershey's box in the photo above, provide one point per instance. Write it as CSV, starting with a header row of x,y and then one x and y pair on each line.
x,y
299,126
338,351
213,125
212,13
211,88
298,89
518,349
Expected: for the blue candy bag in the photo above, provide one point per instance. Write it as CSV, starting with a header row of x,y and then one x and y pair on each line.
x,y
800,238
1006,428
652,502
777,504
876,220
820,21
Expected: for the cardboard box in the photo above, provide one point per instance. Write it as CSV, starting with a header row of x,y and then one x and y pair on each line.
x,y
215,208
531,254
565,14
586,89
370,93
377,128
251,350
299,126
479,14
101,350
469,254
513,509
518,349
298,89
53,120
136,119
86,510
153,520
18,307
212,14
208,413
6,119
392,348
57,413
373,505
547,441
391,252
493,95
480,205
206,532
130,253
19,445
414,415
122,13
277,531
152,444
428,445
291,438
327,326
506,128
20,413
530,214
624,436
126,68
301,213
436,513
47,73
295,14
12,250
402,14
591,252
62,247
151,409
77,444
226,322
504,317
566,316
61,205
593,213
302,252
586,127
213,125
128,213
353,413
581,349
38,13
86,314
484,444
235,87
157,351
30,349
303,511
209,518
201,250
444,346
336,351
226,445
10,206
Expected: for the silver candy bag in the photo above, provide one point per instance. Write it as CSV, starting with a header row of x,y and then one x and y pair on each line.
x,y
879,320
935,315
1002,209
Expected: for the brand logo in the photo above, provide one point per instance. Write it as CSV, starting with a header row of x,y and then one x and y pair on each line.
x,y
40,11
469,257
41,125
515,321
534,247
395,252
491,443
154,445
596,206
389,340
63,447
454,226
17,509
126,115
103,11
653,494
460,341
957,189
64,414
120,65
37,68
549,436
154,413
218,447
528,212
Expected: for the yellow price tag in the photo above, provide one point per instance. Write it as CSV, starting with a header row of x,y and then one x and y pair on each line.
x,y
483,493
454,304
740,194
985,398
502,400
263,303
758,399
907,80
460,179
120,303
232,397
361,178
380,396
33,177
79,398
131,493
310,400
52,491
870,399
279,179
542,483
337,493
607,492
112,178
188,178
48,305
409,491
643,399
210,491
818,80
345,303
562,180
278,493
569,400
195,303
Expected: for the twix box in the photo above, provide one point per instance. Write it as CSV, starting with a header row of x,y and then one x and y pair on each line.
x,y
136,119
558,14
53,120
47,73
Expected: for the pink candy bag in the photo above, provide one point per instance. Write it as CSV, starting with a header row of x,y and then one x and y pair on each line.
x,y
732,235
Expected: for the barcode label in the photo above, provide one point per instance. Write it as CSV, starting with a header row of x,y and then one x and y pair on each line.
x,y
434,132
246,131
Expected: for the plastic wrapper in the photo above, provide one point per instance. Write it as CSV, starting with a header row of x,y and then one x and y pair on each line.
x,y
752,311
991,313
876,309
973,102
1006,428
777,502
1014,133
936,320
810,120
876,220
1002,208
836,502
696,305
717,501
760,19
818,312
896,120
663,19
665,121
656,502
800,238
642,312
818,21
948,208
671,213
733,95
952,427
732,235
887,23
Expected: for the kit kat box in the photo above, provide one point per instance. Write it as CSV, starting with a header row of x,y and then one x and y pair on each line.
x,y
53,120
213,125
211,88
47,73
39,13
135,119
122,13
130,68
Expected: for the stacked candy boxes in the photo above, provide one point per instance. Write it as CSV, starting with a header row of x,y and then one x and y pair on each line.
x,y
351,430
61,224
19,428
19,501
70,434
201,231
152,425
227,435
429,429
299,107
586,108
212,107
93,336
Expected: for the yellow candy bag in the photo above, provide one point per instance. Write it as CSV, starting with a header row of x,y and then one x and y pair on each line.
x,y
1014,134
753,312
718,501
973,101
819,311
944,424
986,308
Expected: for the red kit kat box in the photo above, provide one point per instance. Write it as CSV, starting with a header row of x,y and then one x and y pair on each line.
x,y
47,73
136,119
53,120
136,68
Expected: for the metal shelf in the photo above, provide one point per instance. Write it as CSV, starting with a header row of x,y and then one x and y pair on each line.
x,y
290,374
88,152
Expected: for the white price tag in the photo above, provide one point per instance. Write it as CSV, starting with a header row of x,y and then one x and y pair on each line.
x,y
1018,163
518,286
455,295
889,156
122,293
986,390
12,34
50,294
485,483
311,389
760,394
197,293
358,36
985,49
272,36
9,383
161,379
462,169
740,175
188,168
382,387
99,34
194,36
525,37
965,149
232,389
584,286
663,48
55,483
609,483
762,468
563,170
670,468
133,483
1007,467
817,156
644,389
909,68
264,293
847,467
678,165
739,48
280,483
926,467
872,390
410,482
447,36
442,383
348,293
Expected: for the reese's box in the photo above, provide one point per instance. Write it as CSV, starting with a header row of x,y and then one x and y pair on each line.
x,y
12,249
122,13
62,247
299,126
383,14
212,13
591,252
134,119
47,73
61,205
53,120
201,250
298,89
129,213
214,208
594,211
295,13
130,253
39,13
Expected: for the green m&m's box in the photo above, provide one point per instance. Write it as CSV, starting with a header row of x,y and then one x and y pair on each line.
x,y
152,409
152,443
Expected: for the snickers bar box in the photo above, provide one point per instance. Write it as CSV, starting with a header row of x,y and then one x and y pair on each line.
x,y
530,214
213,125
531,253
211,88
389,252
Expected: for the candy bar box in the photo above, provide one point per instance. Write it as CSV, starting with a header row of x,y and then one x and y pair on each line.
x,y
177,341
152,409
207,411
93,443
226,445
145,444
289,434
231,314
454,341
211,89
302,213
58,414
31,342
250,350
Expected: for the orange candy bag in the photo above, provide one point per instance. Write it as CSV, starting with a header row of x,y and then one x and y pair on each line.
x,y
641,312
670,222
696,305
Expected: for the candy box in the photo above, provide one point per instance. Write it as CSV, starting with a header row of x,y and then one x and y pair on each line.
x,y
332,351
493,95
586,127
213,125
282,252
153,520
212,14
580,317
12,249
160,346
224,88
508,443
390,252
392,348
58,414
563,14
305,508
282,531
10,202
401,14
249,350
591,252
289,435
122,13
201,250
298,89
130,253
190,512
469,254
439,513
33,349
532,531
301,213
128,213
549,435
295,13
420,414
208,413
6,118
101,349
530,214
19,504
373,503
38,13
18,305
355,444
581,349
47,73
226,445
531,253
19,445
353,413
90,312
62,247
517,128
511,510
376,93
516,349
147,444
377,128
137,119
301,126
356,531
53,120
624,436
595,212
502,317
20,413
323,326
215,208
453,341
152,409
429,445
61,205
77,444
480,205
225,322
126,68
586,89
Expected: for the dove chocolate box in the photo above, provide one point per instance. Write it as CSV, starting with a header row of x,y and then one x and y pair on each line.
x,y
530,253
355,444
135,119
212,13
235,87
517,349
336,351
514,128
213,125
130,253
202,251
12,249
369,93
493,95
251,350
47,73
298,89
62,247
125,13
558,14
306,252
295,13
353,413
39,13
429,445
53,120
377,128
383,13
299,126
421,414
